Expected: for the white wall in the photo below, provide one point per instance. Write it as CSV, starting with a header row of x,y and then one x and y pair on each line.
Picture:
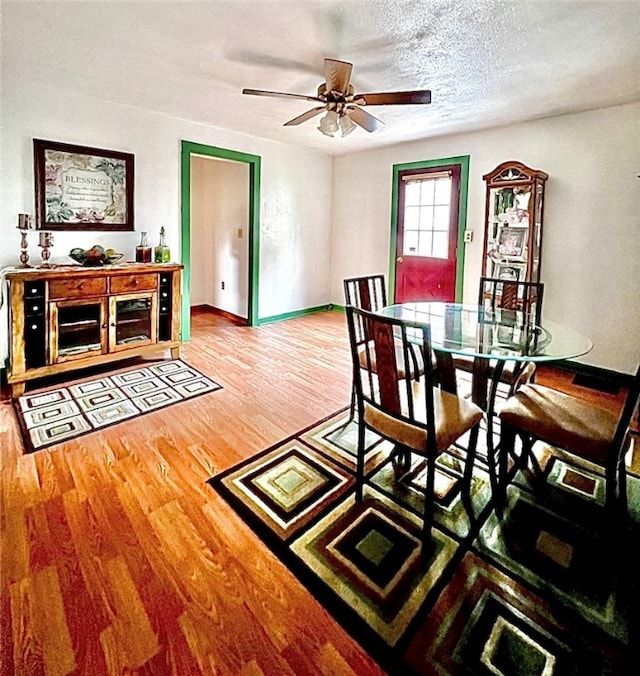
x,y
219,207
295,198
591,238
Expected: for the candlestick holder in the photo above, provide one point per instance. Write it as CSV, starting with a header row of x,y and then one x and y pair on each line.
x,y
45,243
24,224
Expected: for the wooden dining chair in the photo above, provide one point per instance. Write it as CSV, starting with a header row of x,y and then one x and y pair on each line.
x,y
575,428
369,293
414,414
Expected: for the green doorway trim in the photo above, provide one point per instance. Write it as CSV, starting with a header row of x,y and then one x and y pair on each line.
x,y
463,161
254,161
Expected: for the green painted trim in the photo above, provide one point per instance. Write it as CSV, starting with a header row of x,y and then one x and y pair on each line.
x,y
462,223
297,313
338,308
255,168
463,161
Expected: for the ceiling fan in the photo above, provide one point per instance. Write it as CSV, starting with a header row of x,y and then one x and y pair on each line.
x,y
342,104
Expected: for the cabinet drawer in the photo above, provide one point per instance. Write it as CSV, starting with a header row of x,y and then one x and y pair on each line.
x,y
126,283
77,287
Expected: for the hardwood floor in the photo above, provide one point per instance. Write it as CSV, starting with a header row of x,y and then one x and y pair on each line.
x,y
117,557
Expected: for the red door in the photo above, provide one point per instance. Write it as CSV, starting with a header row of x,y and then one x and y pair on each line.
x,y
427,240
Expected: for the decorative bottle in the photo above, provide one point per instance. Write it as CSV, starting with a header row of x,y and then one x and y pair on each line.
x,y
143,250
162,253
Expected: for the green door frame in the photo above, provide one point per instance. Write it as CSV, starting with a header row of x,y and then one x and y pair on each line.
x,y
254,161
463,161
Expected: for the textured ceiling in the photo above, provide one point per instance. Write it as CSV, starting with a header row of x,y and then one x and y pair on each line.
x,y
487,62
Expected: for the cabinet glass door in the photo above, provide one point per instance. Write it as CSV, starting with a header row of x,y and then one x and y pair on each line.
x,y
78,329
513,222
132,321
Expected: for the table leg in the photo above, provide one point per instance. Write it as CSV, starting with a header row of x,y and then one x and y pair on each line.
x,y
483,393
495,454
446,372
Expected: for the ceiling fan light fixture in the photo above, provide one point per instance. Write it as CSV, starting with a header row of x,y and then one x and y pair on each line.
x,y
329,123
347,125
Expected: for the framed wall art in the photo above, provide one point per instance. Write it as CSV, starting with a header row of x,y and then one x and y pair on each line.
x,y
82,188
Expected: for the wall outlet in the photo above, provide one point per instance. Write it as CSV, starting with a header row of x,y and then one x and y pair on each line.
x,y
222,285
240,233
468,235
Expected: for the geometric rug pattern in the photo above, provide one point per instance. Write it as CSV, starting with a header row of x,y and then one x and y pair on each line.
x,y
57,414
551,588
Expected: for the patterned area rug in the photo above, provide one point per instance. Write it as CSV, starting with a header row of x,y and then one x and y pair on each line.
x,y
549,589
58,414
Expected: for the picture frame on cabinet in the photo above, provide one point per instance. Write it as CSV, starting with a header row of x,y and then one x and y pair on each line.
x,y
510,272
82,188
512,241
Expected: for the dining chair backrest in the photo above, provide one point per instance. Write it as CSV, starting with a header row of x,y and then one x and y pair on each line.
x,y
511,295
389,353
366,293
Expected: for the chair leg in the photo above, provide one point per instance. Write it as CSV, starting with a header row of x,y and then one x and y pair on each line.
x,y
622,485
352,406
615,484
427,523
499,474
467,477
360,461
400,461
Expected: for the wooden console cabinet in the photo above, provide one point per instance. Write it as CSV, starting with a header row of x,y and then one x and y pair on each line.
x,y
71,317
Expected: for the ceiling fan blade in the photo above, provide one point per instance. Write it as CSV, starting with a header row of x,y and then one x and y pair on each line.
x,y
364,119
393,98
305,116
262,92
337,75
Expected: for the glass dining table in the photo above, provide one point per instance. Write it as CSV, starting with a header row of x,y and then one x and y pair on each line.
x,y
490,339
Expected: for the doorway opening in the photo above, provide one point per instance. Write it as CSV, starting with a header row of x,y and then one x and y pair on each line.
x,y
189,151
428,220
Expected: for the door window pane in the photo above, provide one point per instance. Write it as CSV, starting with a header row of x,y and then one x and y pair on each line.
x,y
442,191
412,194
412,218
441,218
410,243
440,244
426,217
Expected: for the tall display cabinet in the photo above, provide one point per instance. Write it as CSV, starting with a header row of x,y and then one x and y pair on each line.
x,y
513,222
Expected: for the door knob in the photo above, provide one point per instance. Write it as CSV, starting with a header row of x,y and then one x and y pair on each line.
x,y
399,259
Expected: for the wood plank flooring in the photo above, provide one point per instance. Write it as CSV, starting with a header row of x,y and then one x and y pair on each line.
x,y
118,558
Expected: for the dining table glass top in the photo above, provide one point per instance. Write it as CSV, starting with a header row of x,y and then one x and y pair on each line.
x,y
497,334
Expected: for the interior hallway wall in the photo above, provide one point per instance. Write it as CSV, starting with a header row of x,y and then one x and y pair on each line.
x,y
219,254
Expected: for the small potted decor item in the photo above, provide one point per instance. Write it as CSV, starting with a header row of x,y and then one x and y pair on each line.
x,y
162,254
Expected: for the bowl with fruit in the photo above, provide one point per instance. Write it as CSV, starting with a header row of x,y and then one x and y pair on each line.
x,y
95,256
